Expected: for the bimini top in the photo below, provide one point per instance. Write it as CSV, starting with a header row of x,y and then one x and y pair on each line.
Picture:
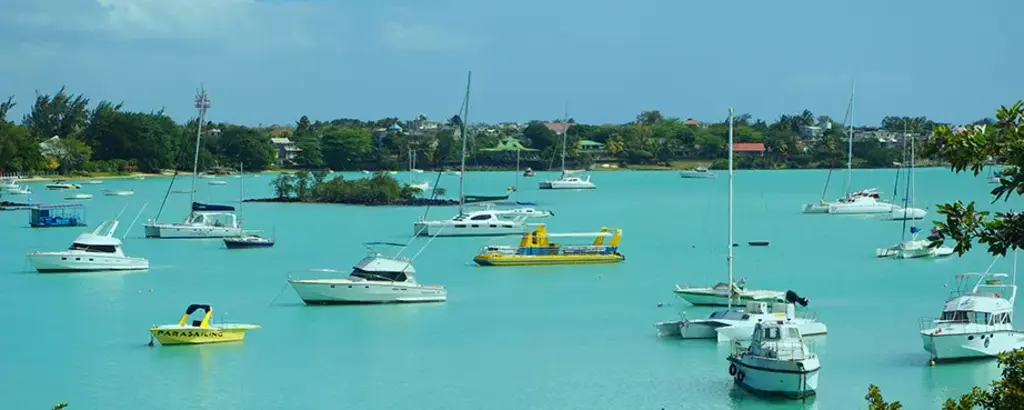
x,y
201,207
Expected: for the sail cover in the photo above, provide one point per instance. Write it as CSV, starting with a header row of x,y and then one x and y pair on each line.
x,y
196,206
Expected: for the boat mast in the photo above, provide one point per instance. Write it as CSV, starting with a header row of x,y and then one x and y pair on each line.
x,y
241,190
202,104
849,152
913,178
464,136
565,133
730,257
517,168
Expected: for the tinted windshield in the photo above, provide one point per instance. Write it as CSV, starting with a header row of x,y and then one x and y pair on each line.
x,y
92,248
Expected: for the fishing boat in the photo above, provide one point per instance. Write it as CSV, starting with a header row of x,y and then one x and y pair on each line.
x,y
699,173
862,201
61,185
204,220
719,294
734,323
777,362
199,331
536,248
118,192
56,215
92,251
377,278
77,196
248,241
976,321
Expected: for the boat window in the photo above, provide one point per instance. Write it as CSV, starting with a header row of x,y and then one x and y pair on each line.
x,y
771,333
380,276
460,226
93,248
483,217
793,333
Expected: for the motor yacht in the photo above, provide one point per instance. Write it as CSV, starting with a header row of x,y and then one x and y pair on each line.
x,y
377,278
976,321
536,248
699,172
98,250
568,180
61,185
719,294
776,363
199,331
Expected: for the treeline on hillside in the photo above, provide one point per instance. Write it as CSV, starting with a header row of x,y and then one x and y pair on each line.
x,y
105,137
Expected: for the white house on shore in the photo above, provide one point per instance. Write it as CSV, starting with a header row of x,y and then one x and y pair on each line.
x,y
286,150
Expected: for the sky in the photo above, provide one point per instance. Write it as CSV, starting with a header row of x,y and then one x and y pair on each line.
x,y
272,61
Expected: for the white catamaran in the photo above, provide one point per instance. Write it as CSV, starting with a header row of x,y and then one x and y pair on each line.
x,y
204,220
570,179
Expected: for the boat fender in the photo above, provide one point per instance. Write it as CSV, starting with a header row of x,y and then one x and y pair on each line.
x,y
732,369
739,376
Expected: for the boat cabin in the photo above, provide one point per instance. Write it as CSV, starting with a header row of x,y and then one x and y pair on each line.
x,y
491,218
215,219
539,242
57,215
100,240
381,268
778,340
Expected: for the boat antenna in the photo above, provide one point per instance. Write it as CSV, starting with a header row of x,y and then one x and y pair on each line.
x,y
134,220
202,104
464,136
731,177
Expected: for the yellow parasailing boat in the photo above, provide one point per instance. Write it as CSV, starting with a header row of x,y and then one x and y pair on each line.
x,y
200,331
536,248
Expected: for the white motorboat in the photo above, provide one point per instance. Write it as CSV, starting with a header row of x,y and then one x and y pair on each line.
x,y
568,181
217,182
930,247
9,184
92,181
699,172
118,192
976,322
18,191
736,324
719,294
98,250
776,363
375,279
77,196
61,185
204,220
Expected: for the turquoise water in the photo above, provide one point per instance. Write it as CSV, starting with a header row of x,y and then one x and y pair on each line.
x,y
508,338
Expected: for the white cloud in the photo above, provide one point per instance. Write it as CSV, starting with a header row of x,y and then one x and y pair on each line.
x,y
422,37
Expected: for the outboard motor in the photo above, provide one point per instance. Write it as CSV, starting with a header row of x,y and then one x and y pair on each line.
x,y
792,297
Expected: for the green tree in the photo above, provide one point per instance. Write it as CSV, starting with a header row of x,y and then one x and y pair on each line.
x,y
971,148
5,107
70,153
876,402
283,185
345,148
540,136
19,151
649,117
62,115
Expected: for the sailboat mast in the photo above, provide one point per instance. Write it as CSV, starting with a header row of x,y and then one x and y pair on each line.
x,y
464,136
913,178
565,133
730,257
517,169
241,189
849,152
202,104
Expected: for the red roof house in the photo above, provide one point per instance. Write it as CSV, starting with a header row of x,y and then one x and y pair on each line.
x,y
748,148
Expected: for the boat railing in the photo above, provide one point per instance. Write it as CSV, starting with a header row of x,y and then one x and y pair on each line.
x,y
789,349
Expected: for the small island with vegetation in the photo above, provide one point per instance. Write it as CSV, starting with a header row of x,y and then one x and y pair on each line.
x,y
378,190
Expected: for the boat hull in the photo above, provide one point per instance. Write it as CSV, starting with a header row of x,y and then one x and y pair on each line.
x,y
425,228
818,208
565,185
170,336
907,214
246,244
915,249
974,345
696,175
174,231
743,331
525,260
782,378
59,262
722,299
860,207
314,292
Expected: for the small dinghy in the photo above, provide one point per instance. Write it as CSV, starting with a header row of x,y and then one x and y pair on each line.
x,y
248,241
200,331
217,182
758,243
118,192
77,197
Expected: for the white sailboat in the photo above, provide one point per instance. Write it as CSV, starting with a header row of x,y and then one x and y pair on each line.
x,y
737,324
487,222
569,179
423,186
909,210
204,220
854,202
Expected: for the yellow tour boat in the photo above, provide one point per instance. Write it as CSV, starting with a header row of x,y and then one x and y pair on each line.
x,y
200,331
536,248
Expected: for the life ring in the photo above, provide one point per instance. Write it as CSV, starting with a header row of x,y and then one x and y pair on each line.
x,y
739,376
732,369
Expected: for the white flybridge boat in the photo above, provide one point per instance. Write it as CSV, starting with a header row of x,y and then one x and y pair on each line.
x,y
488,222
375,279
204,220
909,210
735,324
976,322
719,294
777,362
92,251
854,202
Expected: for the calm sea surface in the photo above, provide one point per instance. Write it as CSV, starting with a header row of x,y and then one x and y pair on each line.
x,y
566,337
